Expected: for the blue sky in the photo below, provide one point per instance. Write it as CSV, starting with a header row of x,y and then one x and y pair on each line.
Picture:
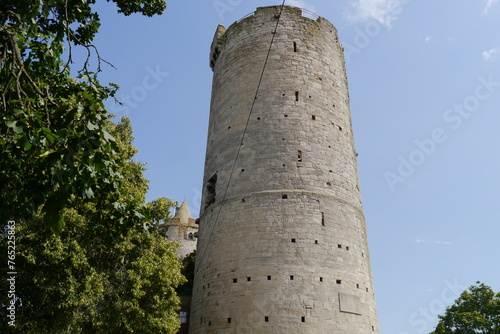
x,y
424,84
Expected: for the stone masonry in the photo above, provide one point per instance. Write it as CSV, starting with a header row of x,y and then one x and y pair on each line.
x,y
282,244
183,229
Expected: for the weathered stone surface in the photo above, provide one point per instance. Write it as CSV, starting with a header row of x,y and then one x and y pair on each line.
x,y
282,243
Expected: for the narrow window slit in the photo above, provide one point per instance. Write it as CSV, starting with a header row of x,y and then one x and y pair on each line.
x,y
296,96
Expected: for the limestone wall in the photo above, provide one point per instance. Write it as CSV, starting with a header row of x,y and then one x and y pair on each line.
x,y
287,251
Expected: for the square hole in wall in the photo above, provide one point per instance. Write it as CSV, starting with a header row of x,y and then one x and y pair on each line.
x,y
303,319
249,279
339,281
268,278
292,277
294,240
266,319
235,280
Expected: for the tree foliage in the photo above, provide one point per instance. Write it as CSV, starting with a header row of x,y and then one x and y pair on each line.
x,y
187,271
88,258
89,279
53,127
475,311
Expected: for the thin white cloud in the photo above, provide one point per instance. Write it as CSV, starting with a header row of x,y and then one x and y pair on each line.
x,y
434,242
489,4
300,4
383,11
427,38
491,54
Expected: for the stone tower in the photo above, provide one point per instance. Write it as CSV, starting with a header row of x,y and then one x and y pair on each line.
x,y
183,229
282,243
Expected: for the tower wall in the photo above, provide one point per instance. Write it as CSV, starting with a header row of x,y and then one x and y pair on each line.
x,y
286,250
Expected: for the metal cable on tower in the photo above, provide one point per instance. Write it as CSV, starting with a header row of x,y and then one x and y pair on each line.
x,y
200,256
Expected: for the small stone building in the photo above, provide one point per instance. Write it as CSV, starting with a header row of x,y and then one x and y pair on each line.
x,y
183,229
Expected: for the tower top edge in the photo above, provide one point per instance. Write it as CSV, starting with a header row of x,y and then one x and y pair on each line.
x,y
289,12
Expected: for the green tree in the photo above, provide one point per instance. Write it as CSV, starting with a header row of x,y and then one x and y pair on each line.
x,y
187,271
87,278
477,310
53,133
88,258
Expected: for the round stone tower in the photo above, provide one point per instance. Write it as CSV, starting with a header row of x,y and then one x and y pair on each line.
x,y
282,243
